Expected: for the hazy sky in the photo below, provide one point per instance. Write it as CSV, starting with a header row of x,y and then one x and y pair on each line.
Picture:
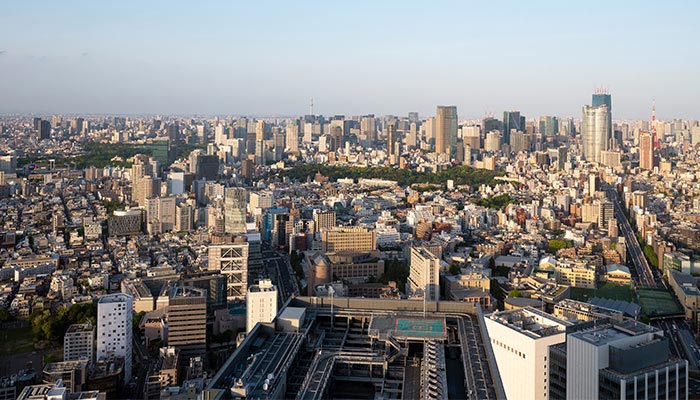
x,y
382,57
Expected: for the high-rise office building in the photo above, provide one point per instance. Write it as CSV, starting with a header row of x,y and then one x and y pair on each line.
x,y
492,142
646,151
173,131
491,124
204,166
446,131
511,120
79,343
187,321
424,275
615,360
368,129
392,144
160,214
520,339
600,97
595,132
260,128
520,141
261,303
235,206
247,167
292,136
114,329
232,260
262,200
184,218
335,138
278,139
44,129
548,126
324,219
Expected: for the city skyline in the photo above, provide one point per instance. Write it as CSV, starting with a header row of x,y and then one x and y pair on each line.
x,y
216,59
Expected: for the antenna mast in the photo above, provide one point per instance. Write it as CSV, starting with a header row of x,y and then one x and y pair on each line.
x,y
311,106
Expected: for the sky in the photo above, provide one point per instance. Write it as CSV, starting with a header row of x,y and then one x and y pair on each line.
x,y
268,58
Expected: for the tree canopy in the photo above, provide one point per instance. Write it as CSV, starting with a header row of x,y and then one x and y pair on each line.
x,y
461,175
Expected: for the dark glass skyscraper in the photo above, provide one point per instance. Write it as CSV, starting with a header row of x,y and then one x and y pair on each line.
x,y
602,98
512,120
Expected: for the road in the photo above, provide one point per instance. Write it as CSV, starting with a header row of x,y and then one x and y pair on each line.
x,y
279,269
681,340
645,277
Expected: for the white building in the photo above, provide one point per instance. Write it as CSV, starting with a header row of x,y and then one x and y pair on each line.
x,y
623,360
520,340
424,275
114,320
261,303
387,236
79,342
260,200
160,214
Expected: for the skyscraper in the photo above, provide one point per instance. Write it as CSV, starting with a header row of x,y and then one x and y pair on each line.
x,y
548,126
600,98
235,205
596,131
446,130
511,120
44,129
596,128
368,129
114,328
292,136
646,151
391,144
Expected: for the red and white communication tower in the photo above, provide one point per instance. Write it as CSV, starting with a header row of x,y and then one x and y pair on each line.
x,y
653,125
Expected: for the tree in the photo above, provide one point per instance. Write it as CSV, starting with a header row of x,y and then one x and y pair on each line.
x,y
557,244
651,256
514,293
455,268
4,315
496,202
397,271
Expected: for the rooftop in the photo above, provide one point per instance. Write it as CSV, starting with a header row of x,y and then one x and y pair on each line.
x,y
531,322
114,298
610,333
265,285
79,328
65,366
184,291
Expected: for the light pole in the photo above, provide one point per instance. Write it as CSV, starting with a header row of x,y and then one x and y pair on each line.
x,y
331,292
